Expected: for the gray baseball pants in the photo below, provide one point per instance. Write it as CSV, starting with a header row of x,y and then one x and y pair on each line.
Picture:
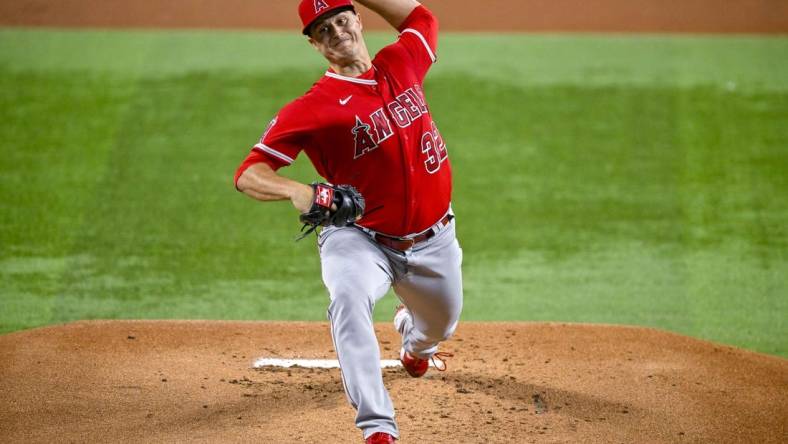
x,y
357,272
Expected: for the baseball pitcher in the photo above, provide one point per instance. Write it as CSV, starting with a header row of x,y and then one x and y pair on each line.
x,y
384,207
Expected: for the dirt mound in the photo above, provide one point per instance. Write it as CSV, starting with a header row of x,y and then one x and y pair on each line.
x,y
164,381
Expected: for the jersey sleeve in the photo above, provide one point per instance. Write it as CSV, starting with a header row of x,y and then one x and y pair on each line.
x,y
283,139
418,41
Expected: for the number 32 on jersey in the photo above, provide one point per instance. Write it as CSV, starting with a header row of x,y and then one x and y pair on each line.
x,y
434,149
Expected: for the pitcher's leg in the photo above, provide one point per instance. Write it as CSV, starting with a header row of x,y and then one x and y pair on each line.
x,y
432,292
356,275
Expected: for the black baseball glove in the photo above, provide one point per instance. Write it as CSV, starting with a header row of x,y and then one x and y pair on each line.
x,y
337,205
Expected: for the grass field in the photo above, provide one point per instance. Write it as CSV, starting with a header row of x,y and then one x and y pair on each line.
x,y
615,179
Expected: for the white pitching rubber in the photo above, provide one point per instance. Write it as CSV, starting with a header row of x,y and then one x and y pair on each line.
x,y
312,363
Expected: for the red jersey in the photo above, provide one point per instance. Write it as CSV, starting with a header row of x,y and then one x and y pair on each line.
x,y
374,132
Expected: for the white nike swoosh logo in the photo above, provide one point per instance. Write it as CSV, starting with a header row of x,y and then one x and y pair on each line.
x,y
344,101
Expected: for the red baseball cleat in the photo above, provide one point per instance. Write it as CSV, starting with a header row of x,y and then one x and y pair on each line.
x,y
380,438
415,367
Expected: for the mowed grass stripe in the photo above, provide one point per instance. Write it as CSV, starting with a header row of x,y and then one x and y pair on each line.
x,y
630,203
750,62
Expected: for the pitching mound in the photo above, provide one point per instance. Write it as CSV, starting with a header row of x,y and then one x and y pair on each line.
x,y
508,382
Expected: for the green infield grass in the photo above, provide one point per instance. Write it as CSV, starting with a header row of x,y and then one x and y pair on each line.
x,y
609,179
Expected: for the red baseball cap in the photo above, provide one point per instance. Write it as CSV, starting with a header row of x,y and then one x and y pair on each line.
x,y
310,10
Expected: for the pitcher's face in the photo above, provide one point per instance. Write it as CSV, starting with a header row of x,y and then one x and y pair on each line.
x,y
338,37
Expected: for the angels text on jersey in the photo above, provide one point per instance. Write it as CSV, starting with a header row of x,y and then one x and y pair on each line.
x,y
407,107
